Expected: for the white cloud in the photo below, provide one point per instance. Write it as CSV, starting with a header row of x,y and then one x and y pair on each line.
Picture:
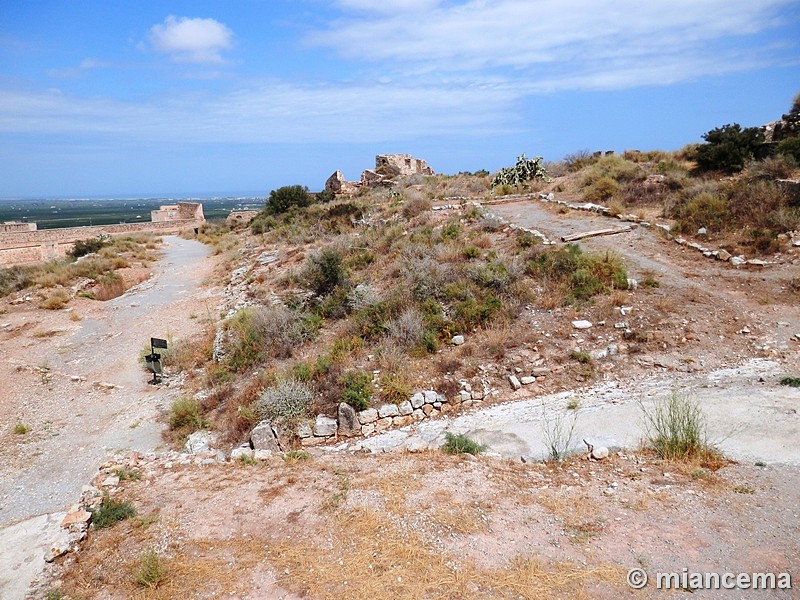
x,y
277,112
531,39
191,40
87,64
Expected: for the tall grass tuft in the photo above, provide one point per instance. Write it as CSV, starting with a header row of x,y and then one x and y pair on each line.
x,y
676,428
461,444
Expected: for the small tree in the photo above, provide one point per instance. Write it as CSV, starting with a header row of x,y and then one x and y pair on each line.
x,y
728,148
284,198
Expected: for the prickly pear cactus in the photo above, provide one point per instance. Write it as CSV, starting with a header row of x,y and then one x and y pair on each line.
x,y
526,169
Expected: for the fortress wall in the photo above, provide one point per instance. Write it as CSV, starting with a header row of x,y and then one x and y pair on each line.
x,y
27,247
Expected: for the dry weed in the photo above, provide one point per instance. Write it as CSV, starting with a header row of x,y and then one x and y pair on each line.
x,y
372,558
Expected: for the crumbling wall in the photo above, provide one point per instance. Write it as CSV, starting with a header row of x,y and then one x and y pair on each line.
x,y
388,167
27,247
15,226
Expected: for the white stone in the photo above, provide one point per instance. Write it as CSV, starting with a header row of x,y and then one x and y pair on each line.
x,y
405,408
464,395
325,426
430,396
457,340
527,380
582,324
737,260
242,452
388,410
512,379
369,415
417,400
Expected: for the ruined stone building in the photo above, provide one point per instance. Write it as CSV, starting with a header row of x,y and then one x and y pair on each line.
x,y
182,211
388,168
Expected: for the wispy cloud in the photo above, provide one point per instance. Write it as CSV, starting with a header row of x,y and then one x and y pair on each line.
x,y
191,40
86,65
276,112
570,37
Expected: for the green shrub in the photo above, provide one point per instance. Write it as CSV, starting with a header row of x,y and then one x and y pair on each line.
x,y
581,357
111,512
728,148
15,279
84,247
259,333
707,209
150,571
461,444
286,197
357,389
20,428
789,147
395,388
791,381
185,413
676,428
325,272
287,401
55,301
601,190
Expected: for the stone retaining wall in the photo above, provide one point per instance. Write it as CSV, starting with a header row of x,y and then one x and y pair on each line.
x,y
28,247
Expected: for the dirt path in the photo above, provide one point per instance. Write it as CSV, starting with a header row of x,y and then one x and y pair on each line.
x,y
79,386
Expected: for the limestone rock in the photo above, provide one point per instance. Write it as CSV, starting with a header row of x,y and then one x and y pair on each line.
x,y
197,442
324,426
512,379
369,415
405,408
388,410
723,255
527,380
417,400
349,424
242,453
263,437
457,340
582,324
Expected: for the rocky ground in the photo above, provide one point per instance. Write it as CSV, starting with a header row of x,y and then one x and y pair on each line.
x,y
348,524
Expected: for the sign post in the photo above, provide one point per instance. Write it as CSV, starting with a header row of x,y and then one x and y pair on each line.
x,y
153,360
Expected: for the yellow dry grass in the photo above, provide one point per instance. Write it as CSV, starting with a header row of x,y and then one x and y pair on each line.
x,y
373,558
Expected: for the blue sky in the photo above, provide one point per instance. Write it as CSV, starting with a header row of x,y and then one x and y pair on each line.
x,y
197,97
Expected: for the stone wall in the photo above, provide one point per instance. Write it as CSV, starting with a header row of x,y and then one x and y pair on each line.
x,y
14,226
182,211
28,247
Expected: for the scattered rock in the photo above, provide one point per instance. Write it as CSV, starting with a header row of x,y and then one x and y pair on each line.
x,y
527,380
242,453
582,324
198,442
349,424
388,410
324,426
512,379
263,437
457,340
369,415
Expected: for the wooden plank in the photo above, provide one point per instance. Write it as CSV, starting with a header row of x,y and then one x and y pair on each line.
x,y
610,231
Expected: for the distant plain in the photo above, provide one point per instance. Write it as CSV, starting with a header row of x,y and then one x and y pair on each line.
x,y
52,214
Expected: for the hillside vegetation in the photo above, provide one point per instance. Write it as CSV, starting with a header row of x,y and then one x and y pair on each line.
x,y
362,296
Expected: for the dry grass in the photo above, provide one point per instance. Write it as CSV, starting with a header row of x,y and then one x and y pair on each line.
x,y
369,557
